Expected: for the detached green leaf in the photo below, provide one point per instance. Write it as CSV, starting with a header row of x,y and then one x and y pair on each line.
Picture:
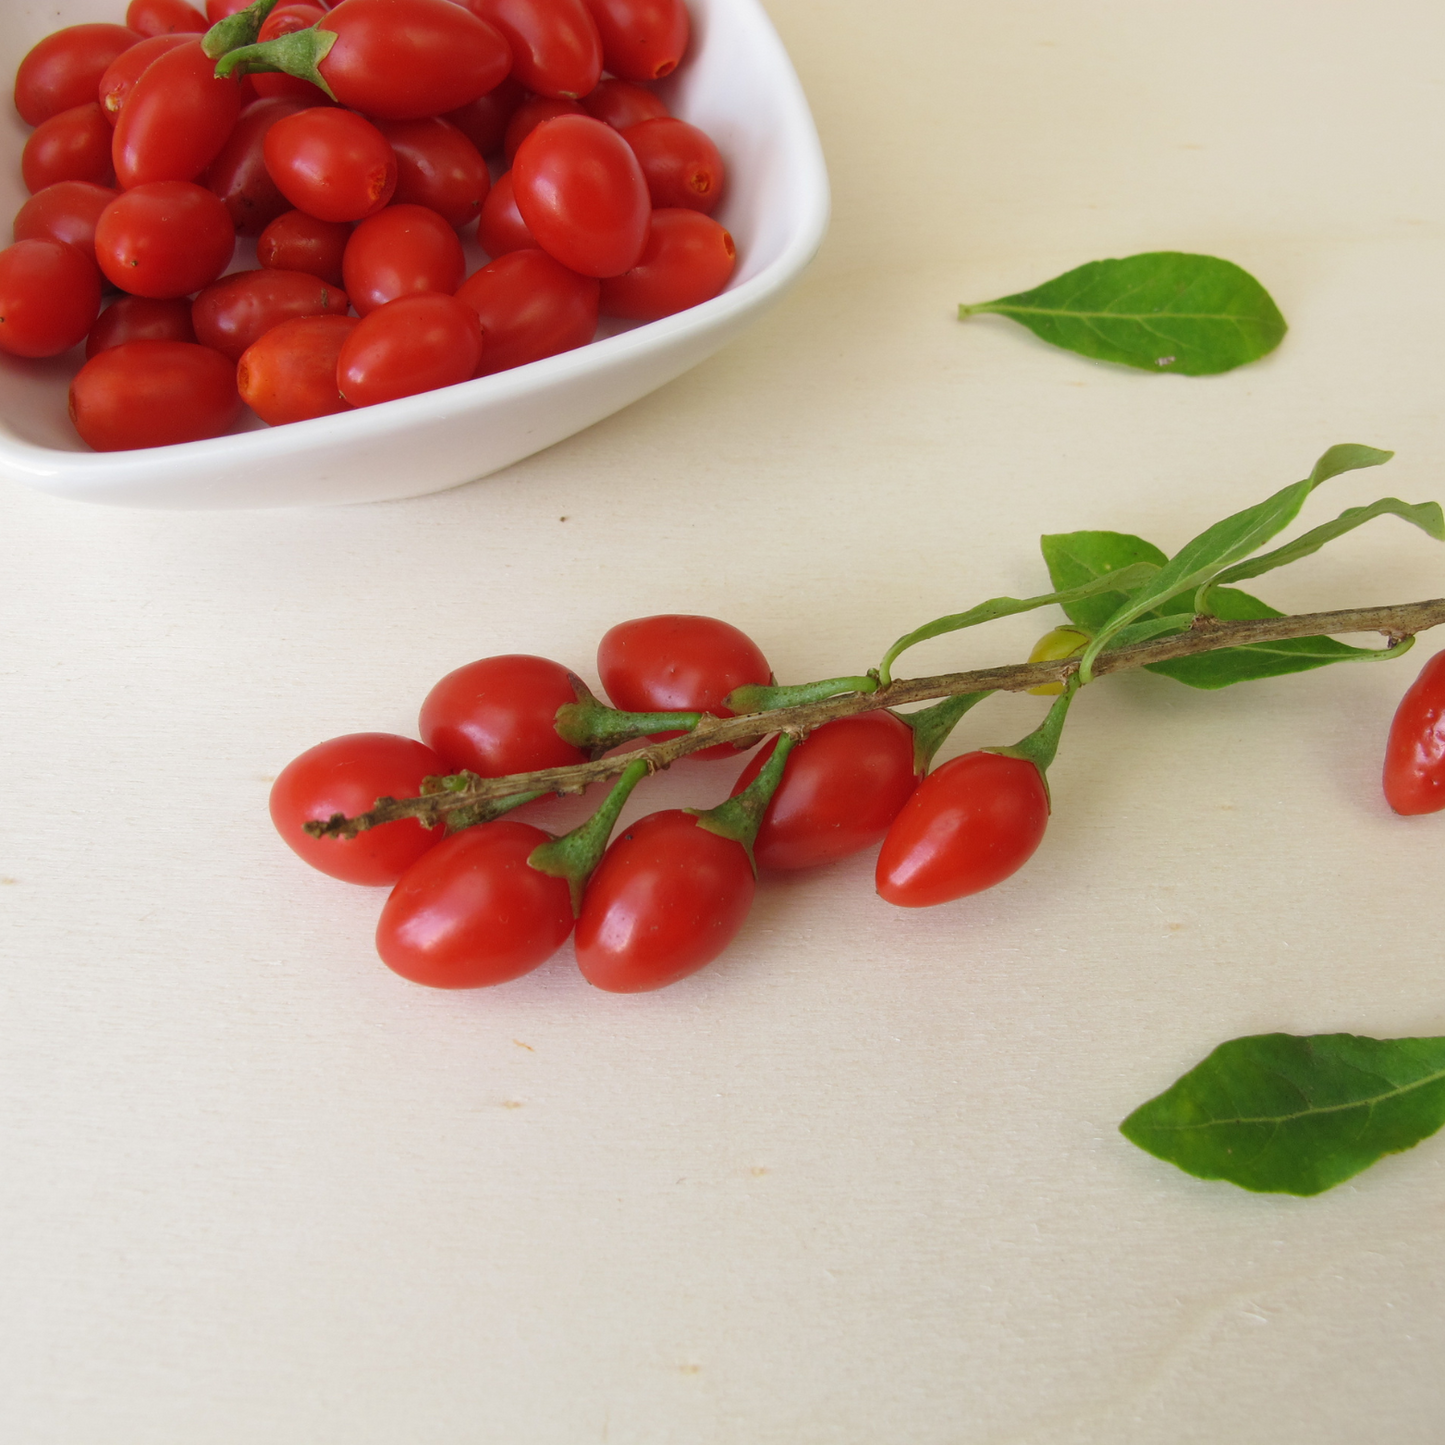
x,y
1159,311
1277,1113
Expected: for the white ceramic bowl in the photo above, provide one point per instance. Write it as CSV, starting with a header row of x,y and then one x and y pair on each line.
x,y
736,83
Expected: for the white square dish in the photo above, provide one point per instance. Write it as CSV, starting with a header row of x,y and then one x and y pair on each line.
x,y
737,83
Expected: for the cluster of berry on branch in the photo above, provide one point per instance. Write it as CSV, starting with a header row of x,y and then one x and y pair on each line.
x,y
480,898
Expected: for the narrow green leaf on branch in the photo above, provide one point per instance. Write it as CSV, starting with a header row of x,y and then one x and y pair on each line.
x,y
1071,557
997,607
1075,559
1228,541
1158,311
1258,660
1278,1113
1148,628
1424,515
1237,535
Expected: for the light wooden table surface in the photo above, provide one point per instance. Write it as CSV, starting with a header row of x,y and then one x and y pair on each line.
x,y
860,1181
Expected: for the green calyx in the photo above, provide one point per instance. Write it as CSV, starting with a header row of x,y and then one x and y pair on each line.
x,y
932,725
740,818
588,723
752,697
575,855
300,54
1040,745
237,30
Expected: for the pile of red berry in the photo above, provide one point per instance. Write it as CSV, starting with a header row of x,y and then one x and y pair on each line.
x,y
492,901
353,144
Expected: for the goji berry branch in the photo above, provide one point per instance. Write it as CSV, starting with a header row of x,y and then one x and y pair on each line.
x,y
1397,622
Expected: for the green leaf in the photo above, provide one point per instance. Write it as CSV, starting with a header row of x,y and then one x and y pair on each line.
x,y
1255,660
1148,628
1277,1113
1259,660
997,607
1076,558
1160,311
1231,540
1346,457
1424,515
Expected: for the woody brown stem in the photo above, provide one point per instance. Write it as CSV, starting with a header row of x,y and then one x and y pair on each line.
x,y
1205,634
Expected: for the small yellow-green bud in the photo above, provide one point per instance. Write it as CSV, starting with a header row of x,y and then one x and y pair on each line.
x,y
1054,646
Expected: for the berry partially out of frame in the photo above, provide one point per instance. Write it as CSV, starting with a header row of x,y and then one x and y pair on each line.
x,y
1415,751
